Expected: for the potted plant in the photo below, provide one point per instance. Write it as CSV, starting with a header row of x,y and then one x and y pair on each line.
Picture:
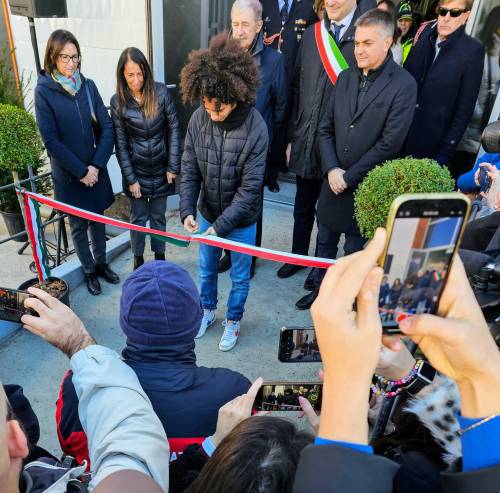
x,y
383,184
20,147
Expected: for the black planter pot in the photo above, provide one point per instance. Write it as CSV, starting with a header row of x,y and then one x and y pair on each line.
x,y
15,224
30,282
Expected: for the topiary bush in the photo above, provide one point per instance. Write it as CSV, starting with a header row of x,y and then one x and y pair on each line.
x,y
20,143
383,184
20,147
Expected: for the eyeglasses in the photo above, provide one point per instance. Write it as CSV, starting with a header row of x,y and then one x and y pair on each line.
x,y
453,12
66,58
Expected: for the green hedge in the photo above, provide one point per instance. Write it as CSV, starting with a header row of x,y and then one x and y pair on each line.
x,y
383,184
20,143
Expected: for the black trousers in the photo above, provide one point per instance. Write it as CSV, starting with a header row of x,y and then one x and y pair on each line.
x,y
479,234
327,247
79,232
304,213
141,211
276,158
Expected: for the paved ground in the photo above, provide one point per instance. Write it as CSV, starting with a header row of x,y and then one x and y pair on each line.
x,y
28,361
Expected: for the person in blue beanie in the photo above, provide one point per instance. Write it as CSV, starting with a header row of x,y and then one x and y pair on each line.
x,y
160,314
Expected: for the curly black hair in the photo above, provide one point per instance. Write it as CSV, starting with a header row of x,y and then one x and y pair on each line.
x,y
225,72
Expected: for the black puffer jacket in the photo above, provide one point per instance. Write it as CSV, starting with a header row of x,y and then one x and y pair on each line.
x,y
147,149
227,167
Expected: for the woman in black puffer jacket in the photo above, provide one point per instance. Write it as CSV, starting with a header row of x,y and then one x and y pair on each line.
x,y
147,146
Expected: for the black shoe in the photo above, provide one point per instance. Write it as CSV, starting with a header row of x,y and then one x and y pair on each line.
x,y
104,271
93,284
224,263
159,256
309,282
306,301
273,187
288,270
138,261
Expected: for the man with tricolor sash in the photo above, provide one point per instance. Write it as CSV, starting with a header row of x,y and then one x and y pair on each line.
x,y
364,124
327,48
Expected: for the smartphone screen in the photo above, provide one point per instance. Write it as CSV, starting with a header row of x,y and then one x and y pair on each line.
x,y
420,249
12,304
283,396
298,345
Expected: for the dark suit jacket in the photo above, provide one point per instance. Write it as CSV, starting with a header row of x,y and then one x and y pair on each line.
x,y
311,89
300,17
334,468
357,139
447,92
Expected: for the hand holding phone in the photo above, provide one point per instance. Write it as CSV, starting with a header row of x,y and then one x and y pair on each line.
x,y
484,180
234,412
298,345
458,344
349,341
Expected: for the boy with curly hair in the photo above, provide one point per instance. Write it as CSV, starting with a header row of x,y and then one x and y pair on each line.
x,y
223,165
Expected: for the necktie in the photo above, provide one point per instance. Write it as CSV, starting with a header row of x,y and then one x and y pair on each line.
x,y
336,32
284,12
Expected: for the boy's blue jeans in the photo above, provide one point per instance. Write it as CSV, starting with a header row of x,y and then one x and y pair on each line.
x,y
240,271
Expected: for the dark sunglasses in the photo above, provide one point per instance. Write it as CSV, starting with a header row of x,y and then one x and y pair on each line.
x,y
453,12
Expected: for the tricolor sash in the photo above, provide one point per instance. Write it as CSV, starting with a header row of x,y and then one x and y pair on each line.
x,y
331,57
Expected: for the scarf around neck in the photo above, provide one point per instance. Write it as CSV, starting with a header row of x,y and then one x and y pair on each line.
x,y
70,84
235,118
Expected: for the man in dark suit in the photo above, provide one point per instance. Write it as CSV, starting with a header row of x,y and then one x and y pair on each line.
x,y
365,124
448,66
311,88
284,24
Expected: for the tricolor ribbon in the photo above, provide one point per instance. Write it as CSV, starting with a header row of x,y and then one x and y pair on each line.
x,y
330,54
34,228
176,238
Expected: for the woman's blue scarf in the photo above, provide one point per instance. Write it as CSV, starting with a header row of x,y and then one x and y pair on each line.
x,y
70,84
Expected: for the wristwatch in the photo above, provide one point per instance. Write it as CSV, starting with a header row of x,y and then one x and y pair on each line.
x,y
423,377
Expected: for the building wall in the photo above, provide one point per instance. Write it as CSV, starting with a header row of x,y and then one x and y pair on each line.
x,y
103,29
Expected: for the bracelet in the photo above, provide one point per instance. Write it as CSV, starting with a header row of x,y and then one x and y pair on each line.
x,y
394,387
479,423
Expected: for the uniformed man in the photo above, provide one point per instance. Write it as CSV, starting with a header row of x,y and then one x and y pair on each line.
x,y
284,24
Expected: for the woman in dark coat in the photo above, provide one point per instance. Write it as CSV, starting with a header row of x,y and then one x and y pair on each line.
x,y
147,146
78,135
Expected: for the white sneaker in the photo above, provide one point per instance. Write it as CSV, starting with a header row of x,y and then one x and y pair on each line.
x,y
230,336
207,320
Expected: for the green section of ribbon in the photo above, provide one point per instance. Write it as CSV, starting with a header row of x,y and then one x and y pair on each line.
x,y
172,241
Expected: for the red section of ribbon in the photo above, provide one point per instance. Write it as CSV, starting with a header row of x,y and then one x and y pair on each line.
x,y
272,255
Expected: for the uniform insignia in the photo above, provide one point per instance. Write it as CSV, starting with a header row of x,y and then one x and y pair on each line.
x,y
300,21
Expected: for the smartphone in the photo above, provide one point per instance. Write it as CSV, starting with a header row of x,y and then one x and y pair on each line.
x,y
298,345
12,304
484,180
423,235
284,396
